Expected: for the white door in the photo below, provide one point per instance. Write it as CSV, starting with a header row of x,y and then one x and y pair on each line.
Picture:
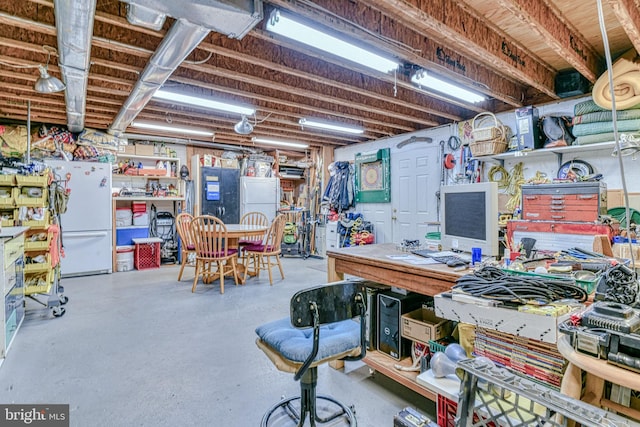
x,y
415,179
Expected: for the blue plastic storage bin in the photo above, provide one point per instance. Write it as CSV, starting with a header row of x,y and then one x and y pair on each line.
x,y
125,236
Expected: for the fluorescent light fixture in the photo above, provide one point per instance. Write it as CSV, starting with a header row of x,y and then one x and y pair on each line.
x,y
424,78
288,27
278,142
154,126
181,98
330,126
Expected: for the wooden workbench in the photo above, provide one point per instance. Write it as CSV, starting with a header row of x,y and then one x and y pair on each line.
x,y
371,262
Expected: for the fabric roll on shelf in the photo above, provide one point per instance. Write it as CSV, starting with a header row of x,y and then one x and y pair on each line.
x,y
626,83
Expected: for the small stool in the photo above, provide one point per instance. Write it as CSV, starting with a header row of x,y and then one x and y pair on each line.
x,y
147,253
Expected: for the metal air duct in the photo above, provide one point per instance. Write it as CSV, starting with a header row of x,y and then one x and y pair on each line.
x,y
74,24
195,19
233,18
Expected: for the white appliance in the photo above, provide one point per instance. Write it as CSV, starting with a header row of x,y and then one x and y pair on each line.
x,y
259,195
87,224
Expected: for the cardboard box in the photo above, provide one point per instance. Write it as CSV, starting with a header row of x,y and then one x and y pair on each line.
x,y
514,322
145,150
229,163
423,325
127,149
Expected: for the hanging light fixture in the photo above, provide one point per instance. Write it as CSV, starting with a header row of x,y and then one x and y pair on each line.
x,y
243,127
423,78
258,140
285,25
47,83
330,126
173,129
205,102
628,146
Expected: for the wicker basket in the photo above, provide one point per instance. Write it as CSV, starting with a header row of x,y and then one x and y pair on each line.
x,y
489,135
487,148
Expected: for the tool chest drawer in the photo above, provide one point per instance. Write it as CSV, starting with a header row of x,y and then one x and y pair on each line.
x,y
580,201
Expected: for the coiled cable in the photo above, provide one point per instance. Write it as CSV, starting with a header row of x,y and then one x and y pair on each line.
x,y
492,283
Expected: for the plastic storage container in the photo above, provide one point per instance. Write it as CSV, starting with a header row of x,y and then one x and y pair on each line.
x,y
123,217
125,236
124,258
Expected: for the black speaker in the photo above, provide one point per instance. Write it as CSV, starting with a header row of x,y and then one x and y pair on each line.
x,y
391,307
570,83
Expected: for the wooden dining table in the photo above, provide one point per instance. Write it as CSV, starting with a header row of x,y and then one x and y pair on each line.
x,y
235,232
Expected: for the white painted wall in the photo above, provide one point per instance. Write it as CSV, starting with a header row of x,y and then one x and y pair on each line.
x,y
602,162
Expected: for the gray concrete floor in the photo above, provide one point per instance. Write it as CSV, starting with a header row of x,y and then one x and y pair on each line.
x,y
138,348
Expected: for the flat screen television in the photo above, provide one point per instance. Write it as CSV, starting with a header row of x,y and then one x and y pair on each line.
x,y
469,217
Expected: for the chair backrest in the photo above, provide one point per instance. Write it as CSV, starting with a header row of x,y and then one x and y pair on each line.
x,y
254,218
183,224
334,302
330,303
210,236
273,238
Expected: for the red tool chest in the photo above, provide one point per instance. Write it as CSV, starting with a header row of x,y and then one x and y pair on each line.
x,y
575,202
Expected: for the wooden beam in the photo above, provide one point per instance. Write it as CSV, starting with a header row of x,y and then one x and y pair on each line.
x,y
450,23
558,33
628,14
405,37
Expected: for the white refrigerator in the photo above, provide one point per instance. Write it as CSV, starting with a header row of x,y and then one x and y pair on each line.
x,y
87,224
259,195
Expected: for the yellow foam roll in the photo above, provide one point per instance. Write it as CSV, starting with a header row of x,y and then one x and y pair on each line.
x,y
626,83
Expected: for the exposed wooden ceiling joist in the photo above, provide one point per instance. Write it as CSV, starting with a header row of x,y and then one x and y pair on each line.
x,y
628,13
557,32
509,50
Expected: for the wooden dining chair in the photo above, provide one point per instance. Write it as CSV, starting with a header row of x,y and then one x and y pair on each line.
x,y
212,248
260,255
187,245
253,218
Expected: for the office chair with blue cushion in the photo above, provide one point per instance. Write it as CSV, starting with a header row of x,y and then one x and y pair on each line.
x,y
320,329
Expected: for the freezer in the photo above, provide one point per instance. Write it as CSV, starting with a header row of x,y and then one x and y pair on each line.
x,y
259,195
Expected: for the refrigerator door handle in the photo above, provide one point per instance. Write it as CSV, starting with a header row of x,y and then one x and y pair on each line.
x,y
82,235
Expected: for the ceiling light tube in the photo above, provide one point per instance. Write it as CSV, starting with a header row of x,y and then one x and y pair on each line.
x,y
426,79
212,104
288,27
267,141
175,129
330,126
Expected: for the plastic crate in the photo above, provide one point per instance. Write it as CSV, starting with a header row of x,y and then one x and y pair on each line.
x,y
38,267
441,344
446,410
147,255
32,180
40,283
7,179
8,197
22,198
33,244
